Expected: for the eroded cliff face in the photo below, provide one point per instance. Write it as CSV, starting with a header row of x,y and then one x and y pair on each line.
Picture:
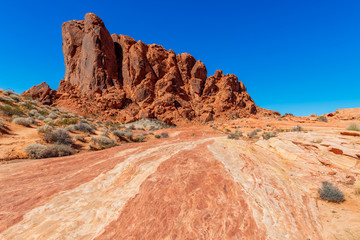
x,y
116,76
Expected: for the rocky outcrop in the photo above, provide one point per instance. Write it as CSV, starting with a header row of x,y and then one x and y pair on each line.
x,y
116,76
42,92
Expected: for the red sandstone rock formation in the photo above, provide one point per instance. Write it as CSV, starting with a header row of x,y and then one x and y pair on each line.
x,y
116,76
42,92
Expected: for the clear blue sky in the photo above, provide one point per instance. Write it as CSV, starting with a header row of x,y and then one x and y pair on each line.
x,y
296,56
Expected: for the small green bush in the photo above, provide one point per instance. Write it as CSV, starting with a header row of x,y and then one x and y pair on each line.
x,y
235,135
45,129
8,92
59,136
104,142
11,110
83,127
23,121
157,136
37,151
322,119
353,127
164,135
268,135
297,128
252,134
79,138
140,137
52,115
331,193
7,100
66,121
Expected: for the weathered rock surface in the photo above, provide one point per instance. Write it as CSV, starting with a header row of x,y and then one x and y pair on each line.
x,y
194,185
119,77
42,92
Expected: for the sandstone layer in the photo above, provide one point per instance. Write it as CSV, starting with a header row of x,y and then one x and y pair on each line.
x,y
42,92
194,185
116,76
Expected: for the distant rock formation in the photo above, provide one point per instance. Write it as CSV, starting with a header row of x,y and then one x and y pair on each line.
x,y
42,92
118,77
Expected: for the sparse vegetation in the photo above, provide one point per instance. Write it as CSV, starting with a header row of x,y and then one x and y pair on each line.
x,y
322,119
268,135
140,137
66,121
104,142
11,110
313,115
235,135
357,191
252,134
37,151
23,121
52,115
331,193
317,140
297,128
80,138
157,136
353,127
164,135
83,127
45,129
59,136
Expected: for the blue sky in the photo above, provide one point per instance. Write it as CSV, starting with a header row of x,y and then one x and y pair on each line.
x,y
295,56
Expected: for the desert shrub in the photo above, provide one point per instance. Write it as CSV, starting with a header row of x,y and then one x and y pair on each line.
x,y
44,112
353,127
7,100
83,127
59,150
227,130
268,135
39,117
317,140
104,142
45,129
258,130
29,104
49,121
322,119
37,150
33,112
99,122
357,191
2,124
8,92
157,136
297,128
235,135
66,121
252,134
59,136
79,138
15,97
164,135
151,133
105,132
331,193
70,128
52,115
140,137
23,121
11,110
313,115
